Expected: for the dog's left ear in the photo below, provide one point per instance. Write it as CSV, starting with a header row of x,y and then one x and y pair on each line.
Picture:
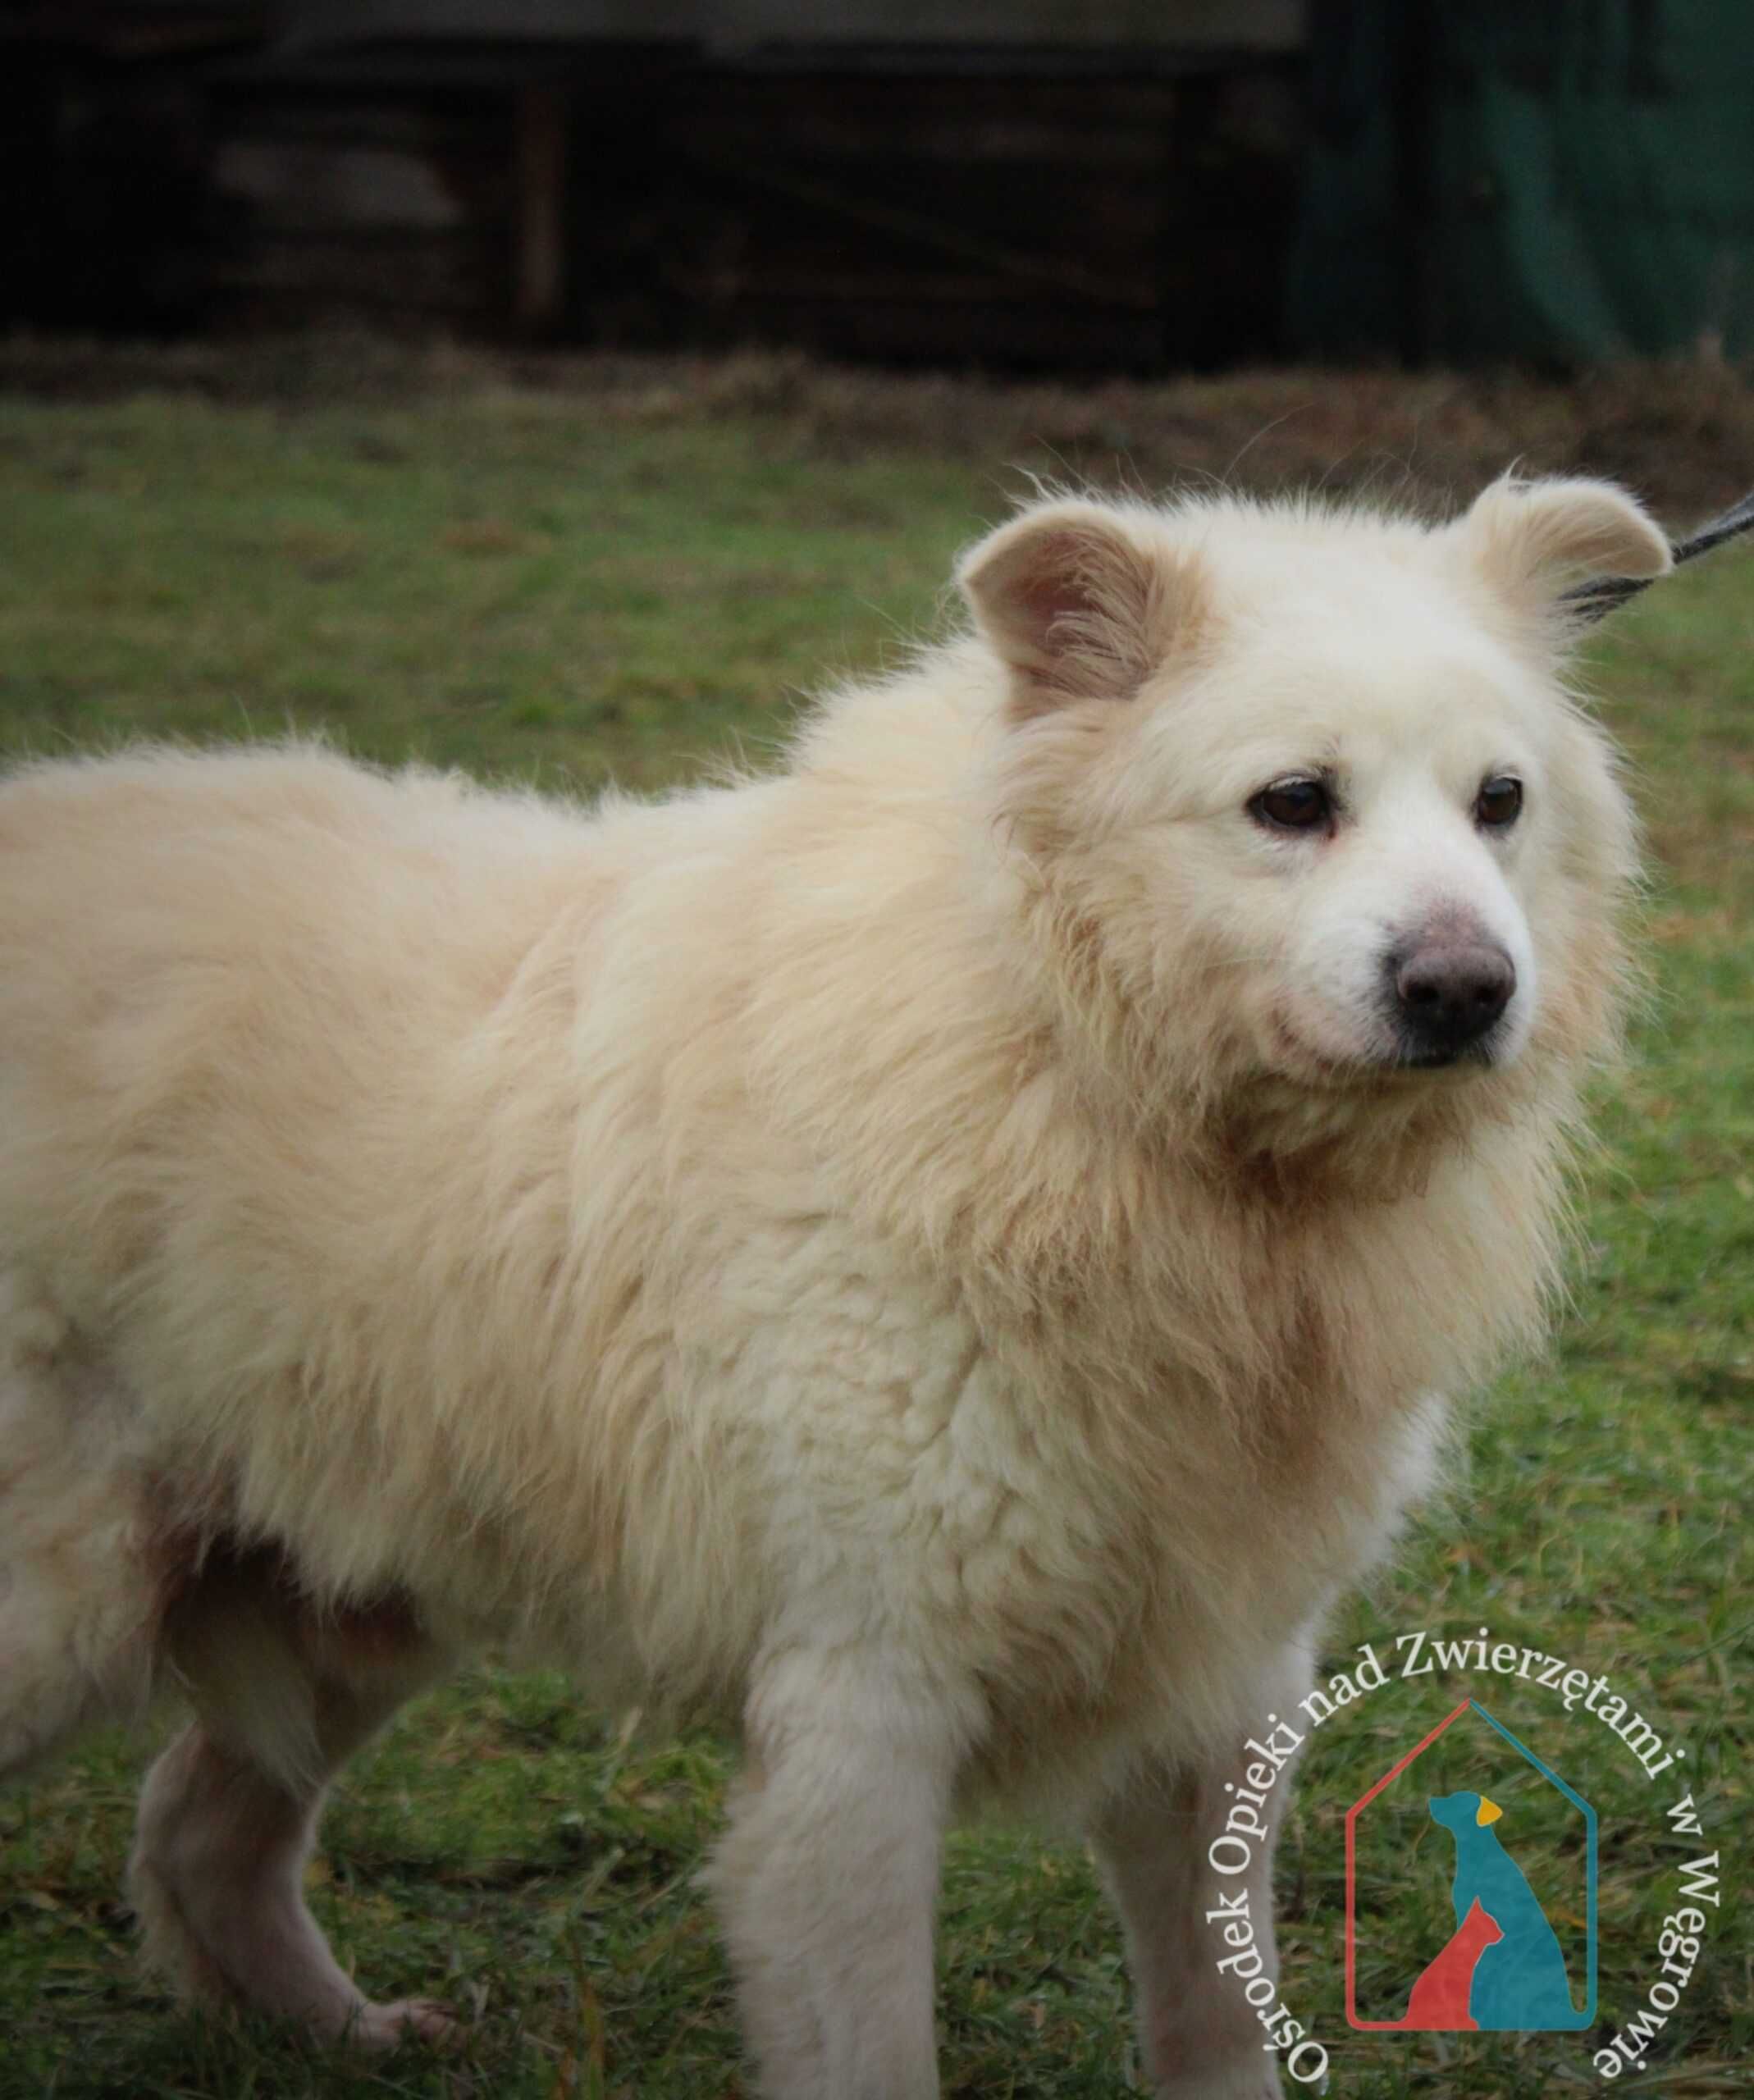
x,y
1081,601
1532,538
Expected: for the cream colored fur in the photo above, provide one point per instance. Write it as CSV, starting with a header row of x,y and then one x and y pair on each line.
x,y
929,1256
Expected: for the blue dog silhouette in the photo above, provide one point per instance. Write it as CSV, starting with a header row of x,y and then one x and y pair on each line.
x,y
1519,1982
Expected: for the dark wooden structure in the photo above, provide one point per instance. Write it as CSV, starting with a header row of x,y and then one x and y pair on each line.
x,y
1094,183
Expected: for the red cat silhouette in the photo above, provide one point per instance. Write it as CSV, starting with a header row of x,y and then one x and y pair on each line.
x,y
1440,1997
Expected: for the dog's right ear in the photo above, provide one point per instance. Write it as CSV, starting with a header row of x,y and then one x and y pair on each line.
x,y
1079,601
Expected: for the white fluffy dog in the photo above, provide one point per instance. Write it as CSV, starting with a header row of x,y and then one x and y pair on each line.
x,y
945,1256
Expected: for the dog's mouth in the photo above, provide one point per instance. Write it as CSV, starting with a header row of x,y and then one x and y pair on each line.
x,y
1479,1054
1295,1058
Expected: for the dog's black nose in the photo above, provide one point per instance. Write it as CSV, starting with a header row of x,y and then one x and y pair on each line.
x,y
1448,994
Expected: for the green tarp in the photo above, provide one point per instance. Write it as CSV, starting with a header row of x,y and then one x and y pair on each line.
x,y
1547,180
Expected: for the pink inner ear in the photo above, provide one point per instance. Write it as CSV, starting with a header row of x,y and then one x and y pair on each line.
x,y
1048,595
1077,607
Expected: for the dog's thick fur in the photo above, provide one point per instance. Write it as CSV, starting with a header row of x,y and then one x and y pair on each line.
x,y
935,1256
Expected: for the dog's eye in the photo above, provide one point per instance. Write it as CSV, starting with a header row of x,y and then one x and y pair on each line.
x,y
1296,805
1499,803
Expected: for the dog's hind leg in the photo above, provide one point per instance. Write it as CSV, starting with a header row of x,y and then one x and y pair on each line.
x,y
86,1564
229,1812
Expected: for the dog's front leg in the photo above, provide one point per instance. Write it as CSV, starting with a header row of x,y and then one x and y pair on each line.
x,y
1199,2037
828,1878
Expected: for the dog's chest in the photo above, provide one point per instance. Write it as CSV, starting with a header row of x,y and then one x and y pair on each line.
x,y
1102,1557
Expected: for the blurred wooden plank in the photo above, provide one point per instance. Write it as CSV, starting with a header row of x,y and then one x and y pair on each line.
x,y
368,187
539,232
315,275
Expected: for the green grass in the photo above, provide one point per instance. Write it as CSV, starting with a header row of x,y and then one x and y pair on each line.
x,y
574,586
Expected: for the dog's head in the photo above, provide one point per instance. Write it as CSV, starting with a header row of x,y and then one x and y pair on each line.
x,y
1302,794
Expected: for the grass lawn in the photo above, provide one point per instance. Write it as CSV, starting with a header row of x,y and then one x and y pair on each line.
x,y
624,580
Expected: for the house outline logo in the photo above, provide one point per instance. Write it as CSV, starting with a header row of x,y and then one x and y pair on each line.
x,y
1525,1985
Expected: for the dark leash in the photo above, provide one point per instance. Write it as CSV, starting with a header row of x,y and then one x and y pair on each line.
x,y
1591,600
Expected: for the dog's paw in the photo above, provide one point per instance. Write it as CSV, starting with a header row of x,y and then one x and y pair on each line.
x,y
404,2019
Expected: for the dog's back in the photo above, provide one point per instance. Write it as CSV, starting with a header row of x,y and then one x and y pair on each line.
x,y
275,1033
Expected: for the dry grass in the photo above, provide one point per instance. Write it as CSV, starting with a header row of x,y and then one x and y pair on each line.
x,y
1681,432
